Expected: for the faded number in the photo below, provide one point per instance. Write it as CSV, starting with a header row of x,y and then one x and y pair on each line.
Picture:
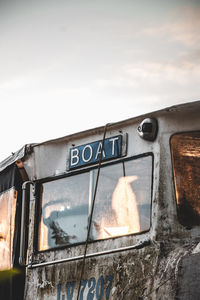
x,y
95,289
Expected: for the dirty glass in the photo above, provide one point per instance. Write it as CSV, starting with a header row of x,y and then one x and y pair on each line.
x,y
123,201
185,149
122,205
64,214
7,222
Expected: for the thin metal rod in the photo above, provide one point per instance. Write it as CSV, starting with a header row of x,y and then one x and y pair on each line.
x,y
92,210
95,254
23,225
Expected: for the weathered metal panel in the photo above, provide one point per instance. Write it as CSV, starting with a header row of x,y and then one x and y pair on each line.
x,y
150,273
161,270
123,276
189,278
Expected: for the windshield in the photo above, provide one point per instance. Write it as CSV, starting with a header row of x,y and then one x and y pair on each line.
x,y
122,206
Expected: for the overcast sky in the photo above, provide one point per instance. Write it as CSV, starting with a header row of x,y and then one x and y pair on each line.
x,y
70,65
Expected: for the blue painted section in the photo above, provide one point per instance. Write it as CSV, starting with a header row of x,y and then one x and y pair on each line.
x,y
90,153
100,288
70,289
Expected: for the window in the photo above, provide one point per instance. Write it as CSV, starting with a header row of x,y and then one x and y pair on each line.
x,y
122,205
185,150
7,222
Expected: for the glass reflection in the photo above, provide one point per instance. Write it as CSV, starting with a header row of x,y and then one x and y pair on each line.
x,y
186,167
122,205
123,201
64,214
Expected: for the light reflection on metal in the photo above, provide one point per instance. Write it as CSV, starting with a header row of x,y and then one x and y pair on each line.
x,y
7,222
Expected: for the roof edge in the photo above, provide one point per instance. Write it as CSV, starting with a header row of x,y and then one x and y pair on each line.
x,y
20,154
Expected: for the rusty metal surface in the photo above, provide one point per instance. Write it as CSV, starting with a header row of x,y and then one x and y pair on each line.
x,y
127,276
149,273
159,271
12,158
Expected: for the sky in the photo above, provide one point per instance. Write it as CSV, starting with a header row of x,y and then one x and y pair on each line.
x,y
68,66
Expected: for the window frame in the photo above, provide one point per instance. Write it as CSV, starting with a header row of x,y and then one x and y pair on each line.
x,y
38,184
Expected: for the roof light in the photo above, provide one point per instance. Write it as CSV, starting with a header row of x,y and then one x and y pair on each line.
x,y
148,129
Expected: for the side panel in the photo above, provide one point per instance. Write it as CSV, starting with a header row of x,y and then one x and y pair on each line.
x,y
127,275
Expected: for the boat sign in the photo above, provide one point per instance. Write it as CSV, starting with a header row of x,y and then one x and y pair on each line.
x,y
90,153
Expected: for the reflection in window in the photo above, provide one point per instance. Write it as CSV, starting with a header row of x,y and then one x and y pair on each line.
x,y
64,212
186,167
122,204
123,200
7,222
